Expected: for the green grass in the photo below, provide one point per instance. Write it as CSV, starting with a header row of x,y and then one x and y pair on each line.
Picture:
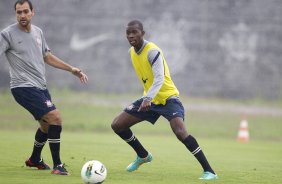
x,y
234,162
87,135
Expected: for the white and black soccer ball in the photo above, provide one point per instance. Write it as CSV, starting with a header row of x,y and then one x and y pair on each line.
x,y
93,172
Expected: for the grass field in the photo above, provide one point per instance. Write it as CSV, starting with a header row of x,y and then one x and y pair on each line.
x,y
87,135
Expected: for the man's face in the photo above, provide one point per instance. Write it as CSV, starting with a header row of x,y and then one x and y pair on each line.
x,y
135,35
24,14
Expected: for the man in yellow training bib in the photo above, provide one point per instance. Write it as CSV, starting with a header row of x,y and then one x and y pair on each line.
x,y
160,98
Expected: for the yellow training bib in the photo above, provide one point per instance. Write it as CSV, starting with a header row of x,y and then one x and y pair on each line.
x,y
145,74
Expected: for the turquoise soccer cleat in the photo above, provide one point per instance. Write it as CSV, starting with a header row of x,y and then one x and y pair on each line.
x,y
208,176
138,162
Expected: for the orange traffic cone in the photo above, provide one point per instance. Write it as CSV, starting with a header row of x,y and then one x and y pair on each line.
x,y
243,134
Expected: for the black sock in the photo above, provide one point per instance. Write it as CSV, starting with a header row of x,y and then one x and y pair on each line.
x,y
193,146
54,134
39,142
130,138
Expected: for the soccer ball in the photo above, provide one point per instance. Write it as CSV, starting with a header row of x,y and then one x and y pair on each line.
x,y
93,172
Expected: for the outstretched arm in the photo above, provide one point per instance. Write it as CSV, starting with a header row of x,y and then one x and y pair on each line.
x,y
56,62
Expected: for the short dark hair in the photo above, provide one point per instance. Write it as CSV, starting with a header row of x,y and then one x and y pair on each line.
x,y
22,2
136,22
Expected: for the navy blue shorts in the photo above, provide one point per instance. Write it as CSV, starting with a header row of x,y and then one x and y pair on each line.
x,y
37,101
173,108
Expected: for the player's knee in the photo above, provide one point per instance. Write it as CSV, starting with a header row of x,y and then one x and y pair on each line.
x,y
57,121
114,125
53,118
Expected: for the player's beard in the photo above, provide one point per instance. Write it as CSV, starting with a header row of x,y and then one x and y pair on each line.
x,y
24,23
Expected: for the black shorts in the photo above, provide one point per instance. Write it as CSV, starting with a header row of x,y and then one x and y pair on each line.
x,y
37,101
173,108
